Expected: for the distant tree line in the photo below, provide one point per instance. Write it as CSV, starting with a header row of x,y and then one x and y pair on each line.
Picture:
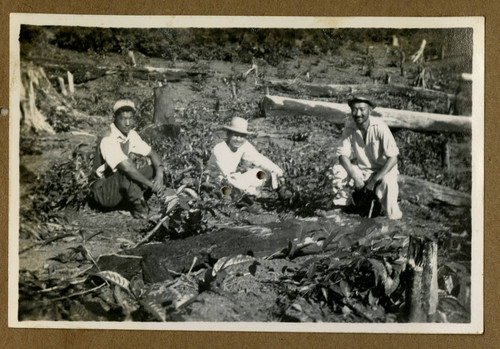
x,y
237,44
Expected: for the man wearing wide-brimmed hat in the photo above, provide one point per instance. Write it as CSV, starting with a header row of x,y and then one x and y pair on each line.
x,y
368,157
119,183
227,156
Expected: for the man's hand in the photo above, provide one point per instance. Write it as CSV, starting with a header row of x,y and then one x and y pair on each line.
x,y
158,182
371,183
277,180
358,182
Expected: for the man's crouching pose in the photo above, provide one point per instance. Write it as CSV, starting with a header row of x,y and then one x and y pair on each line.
x,y
119,184
227,155
368,157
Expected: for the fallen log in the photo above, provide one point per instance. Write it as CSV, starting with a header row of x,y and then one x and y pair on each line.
x,y
84,72
337,113
423,192
160,73
341,91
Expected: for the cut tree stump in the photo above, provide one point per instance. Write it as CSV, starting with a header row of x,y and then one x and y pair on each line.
x,y
337,113
163,119
33,79
422,288
426,193
164,106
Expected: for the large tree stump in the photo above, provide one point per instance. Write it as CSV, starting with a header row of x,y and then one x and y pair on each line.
x,y
164,106
32,79
422,288
163,118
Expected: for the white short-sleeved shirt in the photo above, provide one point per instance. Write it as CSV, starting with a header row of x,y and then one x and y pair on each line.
x,y
372,154
227,161
116,147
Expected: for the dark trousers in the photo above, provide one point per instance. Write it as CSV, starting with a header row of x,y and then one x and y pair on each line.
x,y
119,191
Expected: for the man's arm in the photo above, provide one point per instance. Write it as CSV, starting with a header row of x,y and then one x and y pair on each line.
x,y
130,170
344,151
347,165
391,151
252,155
377,176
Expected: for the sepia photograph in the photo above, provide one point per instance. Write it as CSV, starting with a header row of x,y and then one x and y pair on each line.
x,y
313,174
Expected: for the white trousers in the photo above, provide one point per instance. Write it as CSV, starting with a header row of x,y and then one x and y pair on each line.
x,y
387,190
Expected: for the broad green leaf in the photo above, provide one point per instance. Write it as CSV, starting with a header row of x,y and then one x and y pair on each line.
x,y
226,262
345,289
155,309
115,278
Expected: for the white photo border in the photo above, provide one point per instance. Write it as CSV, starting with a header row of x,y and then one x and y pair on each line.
x,y
476,326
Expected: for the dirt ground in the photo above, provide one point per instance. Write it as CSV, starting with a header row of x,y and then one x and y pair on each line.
x,y
174,279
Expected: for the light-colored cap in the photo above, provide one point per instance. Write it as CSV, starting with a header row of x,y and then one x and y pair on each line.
x,y
123,103
238,125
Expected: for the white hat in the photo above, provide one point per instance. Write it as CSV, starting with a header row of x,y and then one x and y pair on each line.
x,y
238,125
123,103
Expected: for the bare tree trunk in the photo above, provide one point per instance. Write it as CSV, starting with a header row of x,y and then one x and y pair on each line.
x,y
419,55
131,56
62,86
402,63
71,84
422,290
233,89
446,156
443,51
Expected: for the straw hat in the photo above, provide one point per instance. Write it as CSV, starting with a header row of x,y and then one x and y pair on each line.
x,y
238,125
124,103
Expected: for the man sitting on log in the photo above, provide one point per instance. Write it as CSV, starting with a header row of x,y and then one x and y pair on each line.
x,y
229,154
120,184
368,157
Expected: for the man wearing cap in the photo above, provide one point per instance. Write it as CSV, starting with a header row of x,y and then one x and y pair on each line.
x,y
368,157
119,183
227,156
